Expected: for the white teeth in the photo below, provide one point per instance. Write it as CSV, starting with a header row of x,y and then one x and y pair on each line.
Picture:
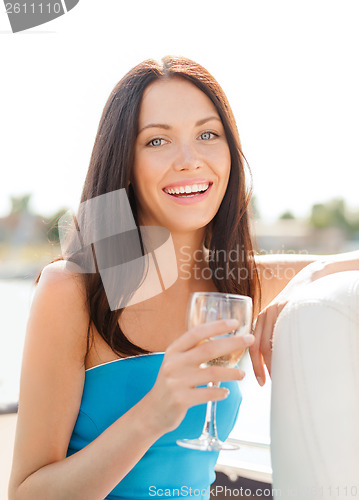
x,y
188,189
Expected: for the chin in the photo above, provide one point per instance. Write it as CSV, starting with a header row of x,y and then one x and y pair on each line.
x,y
185,226
178,220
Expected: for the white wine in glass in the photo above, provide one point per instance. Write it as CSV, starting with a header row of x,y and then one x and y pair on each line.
x,y
204,307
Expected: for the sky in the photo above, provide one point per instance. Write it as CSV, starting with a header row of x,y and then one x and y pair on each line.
x,y
289,70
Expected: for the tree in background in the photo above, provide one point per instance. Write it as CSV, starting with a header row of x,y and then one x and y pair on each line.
x,y
287,215
52,226
334,213
20,204
22,226
253,208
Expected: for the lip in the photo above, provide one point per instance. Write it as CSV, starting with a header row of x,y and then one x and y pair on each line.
x,y
188,182
192,199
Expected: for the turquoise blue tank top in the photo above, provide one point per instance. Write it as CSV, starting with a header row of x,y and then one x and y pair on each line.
x,y
110,390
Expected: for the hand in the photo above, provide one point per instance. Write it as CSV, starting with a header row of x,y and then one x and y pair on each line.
x,y
176,388
261,350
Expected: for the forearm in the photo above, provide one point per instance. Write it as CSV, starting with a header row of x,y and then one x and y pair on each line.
x,y
277,270
348,261
95,470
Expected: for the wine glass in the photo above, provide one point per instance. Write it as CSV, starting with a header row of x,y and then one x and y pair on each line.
x,y
204,307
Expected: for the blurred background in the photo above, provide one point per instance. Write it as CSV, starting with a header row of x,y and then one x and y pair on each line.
x,y
288,69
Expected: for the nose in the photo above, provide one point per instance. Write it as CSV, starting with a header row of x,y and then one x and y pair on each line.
x,y
187,158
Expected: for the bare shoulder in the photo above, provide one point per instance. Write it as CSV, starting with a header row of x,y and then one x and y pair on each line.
x,y
60,300
62,273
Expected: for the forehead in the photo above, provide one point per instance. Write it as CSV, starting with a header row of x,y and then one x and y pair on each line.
x,y
166,100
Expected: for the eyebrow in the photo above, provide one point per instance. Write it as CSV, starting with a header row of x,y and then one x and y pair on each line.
x,y
168,127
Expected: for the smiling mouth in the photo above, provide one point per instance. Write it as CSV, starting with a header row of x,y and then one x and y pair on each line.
x,y
188,191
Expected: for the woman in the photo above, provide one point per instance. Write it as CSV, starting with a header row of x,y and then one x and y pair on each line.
x,y
91,424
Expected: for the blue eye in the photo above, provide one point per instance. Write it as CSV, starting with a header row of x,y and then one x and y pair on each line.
x,y
155,142
207,135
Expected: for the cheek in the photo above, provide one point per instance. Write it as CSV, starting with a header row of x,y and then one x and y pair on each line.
x,y
224,170
148,167
144,180
138,181
140,172
224,164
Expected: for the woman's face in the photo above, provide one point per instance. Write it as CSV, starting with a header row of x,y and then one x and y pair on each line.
x,y
182,159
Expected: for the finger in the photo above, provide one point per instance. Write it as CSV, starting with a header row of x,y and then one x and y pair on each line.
x,y
202,395
202,332
231,347
255,351
208,374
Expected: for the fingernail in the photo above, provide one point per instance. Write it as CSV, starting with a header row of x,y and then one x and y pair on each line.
x,y
226,392
260,380
241,374
248,339
232,323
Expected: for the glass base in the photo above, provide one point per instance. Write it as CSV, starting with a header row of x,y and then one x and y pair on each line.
x,y
206,443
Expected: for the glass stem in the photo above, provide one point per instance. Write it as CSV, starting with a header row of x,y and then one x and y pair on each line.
x,y
210,426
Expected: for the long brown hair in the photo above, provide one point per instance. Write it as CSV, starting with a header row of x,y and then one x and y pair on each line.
x,y
110,169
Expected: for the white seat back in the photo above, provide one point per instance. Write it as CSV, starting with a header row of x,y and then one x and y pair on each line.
x,y
315,392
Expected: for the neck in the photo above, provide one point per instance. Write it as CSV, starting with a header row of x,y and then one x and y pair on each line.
x,y
185,270
192,268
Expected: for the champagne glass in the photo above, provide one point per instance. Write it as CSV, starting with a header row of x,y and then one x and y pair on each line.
x,y
204,307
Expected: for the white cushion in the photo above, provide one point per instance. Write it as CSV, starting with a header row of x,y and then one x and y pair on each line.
x,y
315,392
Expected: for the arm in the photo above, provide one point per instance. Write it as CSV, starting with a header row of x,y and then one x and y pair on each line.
x,y
277,270
348,261
52,379
280,277
51,387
